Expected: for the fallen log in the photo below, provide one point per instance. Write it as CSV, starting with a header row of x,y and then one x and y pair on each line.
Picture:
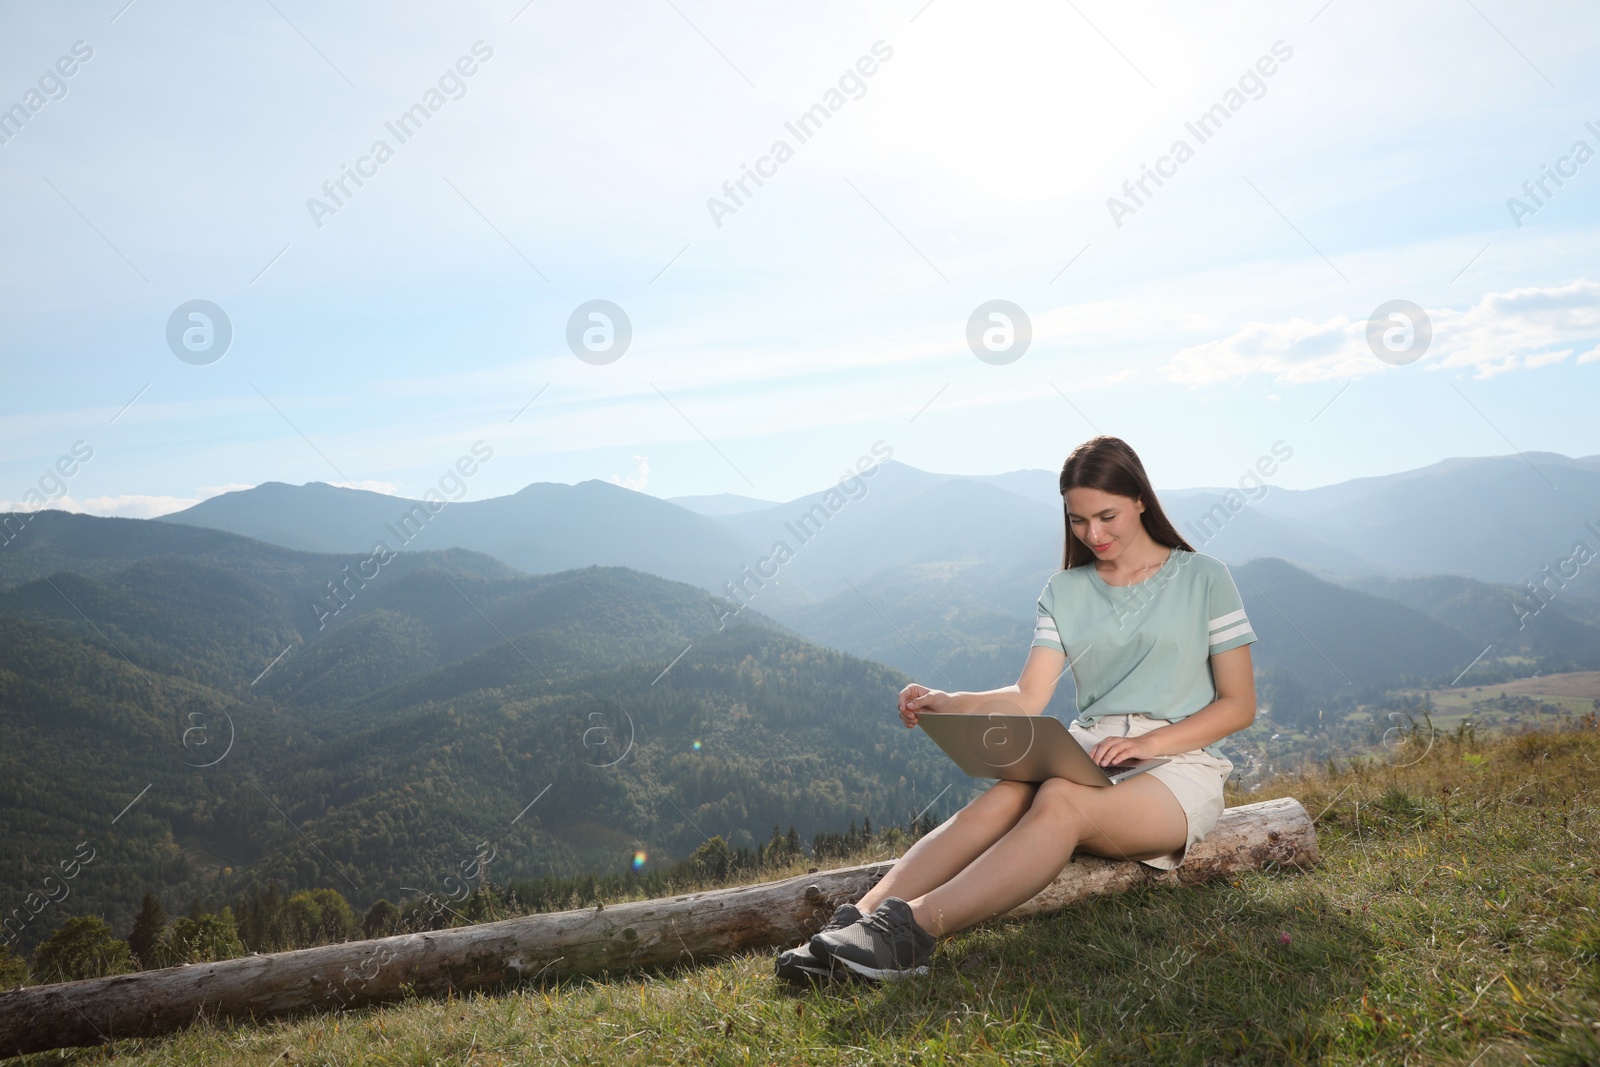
x,y
648,933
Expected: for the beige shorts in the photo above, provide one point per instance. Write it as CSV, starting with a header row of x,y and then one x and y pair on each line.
x,y
1195,778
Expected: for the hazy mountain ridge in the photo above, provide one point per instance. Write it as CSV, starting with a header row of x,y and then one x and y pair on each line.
x,y
542,528
1401,525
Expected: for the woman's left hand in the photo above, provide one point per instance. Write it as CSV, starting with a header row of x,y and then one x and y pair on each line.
x,y
1109,750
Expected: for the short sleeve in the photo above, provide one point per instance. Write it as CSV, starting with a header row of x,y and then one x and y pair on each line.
x,y
1045,632
1226,623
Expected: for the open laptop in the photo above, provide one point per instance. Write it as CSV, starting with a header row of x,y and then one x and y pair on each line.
x,y
1022,748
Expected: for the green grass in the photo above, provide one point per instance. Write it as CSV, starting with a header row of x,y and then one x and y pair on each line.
x,y
1454,919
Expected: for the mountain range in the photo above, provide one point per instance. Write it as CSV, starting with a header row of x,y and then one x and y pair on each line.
x,y
327,687
937,574
167,695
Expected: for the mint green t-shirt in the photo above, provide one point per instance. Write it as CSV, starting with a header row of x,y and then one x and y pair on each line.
x,y
1144,647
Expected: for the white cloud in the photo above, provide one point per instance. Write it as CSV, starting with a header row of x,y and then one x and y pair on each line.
x,y
1521,329
126,506
1535,326
149,506
640,477
1296,351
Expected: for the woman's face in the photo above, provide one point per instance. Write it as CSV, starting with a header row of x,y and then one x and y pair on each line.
x,y
1107,523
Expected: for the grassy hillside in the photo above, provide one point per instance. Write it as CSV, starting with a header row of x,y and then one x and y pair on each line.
x,y
1454,919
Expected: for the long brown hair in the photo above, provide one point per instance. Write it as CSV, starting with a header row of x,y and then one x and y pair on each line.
x,y
1109,465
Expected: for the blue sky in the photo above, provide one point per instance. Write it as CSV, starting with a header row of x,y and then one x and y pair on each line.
x,y
771,345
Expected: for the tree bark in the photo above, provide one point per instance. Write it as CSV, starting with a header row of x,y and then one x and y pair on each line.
x,y
691,928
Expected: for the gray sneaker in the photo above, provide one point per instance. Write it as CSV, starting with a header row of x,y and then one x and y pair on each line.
x,y
886,944
800,964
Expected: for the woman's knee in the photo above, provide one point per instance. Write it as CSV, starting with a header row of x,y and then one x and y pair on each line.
x,y
1060,798
1004,800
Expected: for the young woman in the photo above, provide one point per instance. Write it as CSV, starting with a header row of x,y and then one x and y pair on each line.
x,y
1158,643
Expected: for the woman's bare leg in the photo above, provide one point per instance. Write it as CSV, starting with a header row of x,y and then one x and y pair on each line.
x,y
941,853
1139,819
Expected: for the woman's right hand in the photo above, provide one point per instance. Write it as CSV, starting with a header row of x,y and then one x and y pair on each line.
x,y
915,699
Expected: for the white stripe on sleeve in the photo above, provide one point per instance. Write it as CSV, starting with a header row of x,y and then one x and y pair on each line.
x,y
1230,633
1225,620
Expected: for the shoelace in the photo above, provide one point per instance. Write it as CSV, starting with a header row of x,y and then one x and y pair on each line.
x,y
903,949
880,921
